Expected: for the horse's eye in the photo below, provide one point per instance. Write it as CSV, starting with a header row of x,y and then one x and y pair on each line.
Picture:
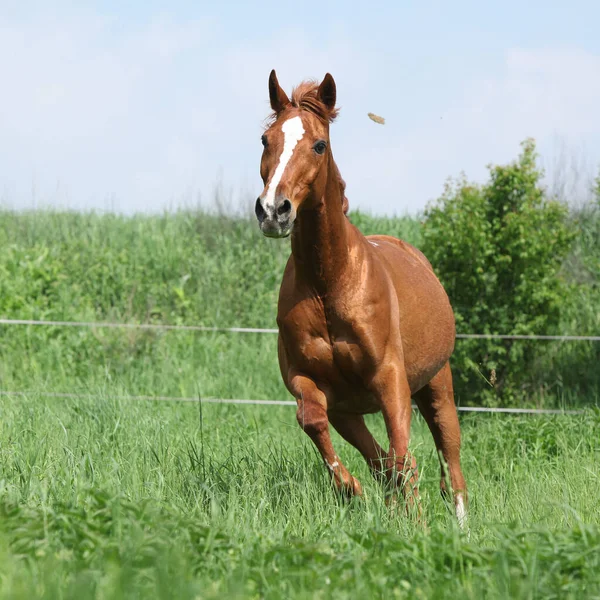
x,y
320,147
263,139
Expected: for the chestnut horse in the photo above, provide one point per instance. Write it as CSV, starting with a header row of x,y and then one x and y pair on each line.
x,y
364,323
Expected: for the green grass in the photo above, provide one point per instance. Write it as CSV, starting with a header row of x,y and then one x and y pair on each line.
x,y
194,268
103,497
107,498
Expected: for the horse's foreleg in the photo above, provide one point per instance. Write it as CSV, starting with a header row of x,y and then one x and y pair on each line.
x,y
393,392
312,417
354,430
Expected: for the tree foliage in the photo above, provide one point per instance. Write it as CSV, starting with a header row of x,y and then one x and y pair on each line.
x,y
498,249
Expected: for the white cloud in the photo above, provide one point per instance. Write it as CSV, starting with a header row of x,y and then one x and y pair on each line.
x,y
551,95
543,91
96,110
147,117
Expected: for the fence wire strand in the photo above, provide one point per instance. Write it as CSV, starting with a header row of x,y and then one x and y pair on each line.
x,y
210,329
260,330
68,395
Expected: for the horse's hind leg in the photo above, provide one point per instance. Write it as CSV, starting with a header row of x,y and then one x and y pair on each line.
x,y
436,403
312,417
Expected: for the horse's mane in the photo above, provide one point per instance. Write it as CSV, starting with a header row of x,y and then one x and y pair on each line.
x,y
345,204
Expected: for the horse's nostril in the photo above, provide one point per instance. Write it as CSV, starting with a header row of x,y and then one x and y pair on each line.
x,y
284,208
260,211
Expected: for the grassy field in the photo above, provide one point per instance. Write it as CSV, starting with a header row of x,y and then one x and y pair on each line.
x,y
108,497
105,498
194,268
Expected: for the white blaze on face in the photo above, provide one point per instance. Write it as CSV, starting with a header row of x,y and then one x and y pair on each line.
x,y
293,131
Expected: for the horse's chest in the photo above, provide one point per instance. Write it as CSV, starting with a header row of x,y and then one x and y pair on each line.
x,y
348,355
323,352
326,360
311,349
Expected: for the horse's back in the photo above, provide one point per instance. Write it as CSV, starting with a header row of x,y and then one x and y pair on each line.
x,y
402,246
426,317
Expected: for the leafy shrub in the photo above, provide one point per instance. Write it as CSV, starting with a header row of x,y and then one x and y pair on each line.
x,y
498,249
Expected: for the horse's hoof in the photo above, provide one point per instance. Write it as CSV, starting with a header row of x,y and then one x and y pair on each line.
x,y
356,488
350,489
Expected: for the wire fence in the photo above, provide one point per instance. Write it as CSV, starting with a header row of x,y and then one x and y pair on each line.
x,y
260,330
210,329
68,395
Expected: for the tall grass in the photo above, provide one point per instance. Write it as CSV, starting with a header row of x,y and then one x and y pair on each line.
x,y
204,269
110,498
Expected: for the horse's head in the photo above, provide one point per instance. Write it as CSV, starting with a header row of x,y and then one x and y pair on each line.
x,y
296,153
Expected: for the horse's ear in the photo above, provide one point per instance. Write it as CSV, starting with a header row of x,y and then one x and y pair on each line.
x,y
326,93
277,96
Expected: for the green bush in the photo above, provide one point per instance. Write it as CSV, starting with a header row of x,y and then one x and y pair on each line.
x,y
590,242
579,366
498,249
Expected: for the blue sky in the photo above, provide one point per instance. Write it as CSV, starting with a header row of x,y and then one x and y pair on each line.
x,y
147,105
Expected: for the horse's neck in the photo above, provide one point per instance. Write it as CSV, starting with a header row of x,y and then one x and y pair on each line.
x,y
323,238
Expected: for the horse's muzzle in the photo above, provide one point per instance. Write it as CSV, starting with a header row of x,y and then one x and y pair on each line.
x,y
277,221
